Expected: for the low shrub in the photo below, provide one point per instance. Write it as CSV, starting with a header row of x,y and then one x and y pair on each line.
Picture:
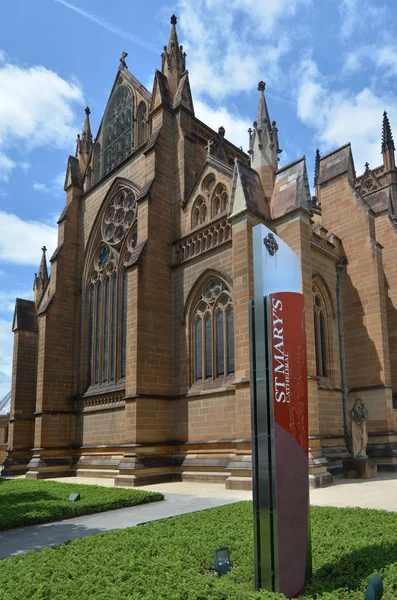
x,y
172,559
29,502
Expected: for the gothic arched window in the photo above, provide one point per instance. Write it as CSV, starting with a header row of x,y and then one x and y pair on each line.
x,y
219,200
141,119
96,164
107,291
199,212
213,332
320,333
117,137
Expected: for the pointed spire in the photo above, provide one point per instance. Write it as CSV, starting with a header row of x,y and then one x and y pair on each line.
x,y
317,166
387,136
173,59
387,144
84,143
263,144
262,117
40,278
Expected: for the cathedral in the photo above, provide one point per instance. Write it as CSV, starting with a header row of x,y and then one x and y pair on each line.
x,y
132,361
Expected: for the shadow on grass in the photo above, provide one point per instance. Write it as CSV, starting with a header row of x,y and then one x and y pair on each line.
x,y
24,497
352,568
37,537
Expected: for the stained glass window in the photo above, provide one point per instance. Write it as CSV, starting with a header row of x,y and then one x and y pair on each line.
x,y
142,123
90,330
220,355
198,354
320,333
117,138
219,200
213,356
98,331
114,328
106,331
124,323
230,340
97,163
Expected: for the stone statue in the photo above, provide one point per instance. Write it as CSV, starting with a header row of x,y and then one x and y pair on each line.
x,y
359,418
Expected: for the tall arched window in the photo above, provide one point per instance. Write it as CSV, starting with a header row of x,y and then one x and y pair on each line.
x,y
96,160
320,333
199,212
141,119
213,332
219,200
107,293
117,137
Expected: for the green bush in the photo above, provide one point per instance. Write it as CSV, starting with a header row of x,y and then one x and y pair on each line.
x,y
29,502
172,559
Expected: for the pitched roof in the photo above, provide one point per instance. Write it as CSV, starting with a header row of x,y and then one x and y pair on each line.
x,y
25,317
247,192
335,163
291,189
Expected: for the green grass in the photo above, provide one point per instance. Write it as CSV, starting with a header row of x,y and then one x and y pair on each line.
x,y
172,560
28,502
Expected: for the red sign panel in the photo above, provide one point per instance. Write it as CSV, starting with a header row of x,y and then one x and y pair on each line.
x,y
290,450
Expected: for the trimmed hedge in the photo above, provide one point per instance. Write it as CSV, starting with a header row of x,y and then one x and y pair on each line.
x,y
29,502
173,559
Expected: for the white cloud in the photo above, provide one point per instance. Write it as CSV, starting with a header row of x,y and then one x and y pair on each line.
x,y
56,186
36,106
357,16
382,57
6,343
41,187
106,25
32,236
343,116
25,166
230,43
7,298
235,125
6,166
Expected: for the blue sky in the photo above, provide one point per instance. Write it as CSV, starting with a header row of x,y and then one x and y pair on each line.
x,y
330,68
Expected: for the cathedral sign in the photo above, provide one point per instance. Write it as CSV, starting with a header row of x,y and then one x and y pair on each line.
x,y
279,417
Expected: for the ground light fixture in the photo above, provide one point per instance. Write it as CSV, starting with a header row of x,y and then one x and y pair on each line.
x,y
374,588
222,561
74,497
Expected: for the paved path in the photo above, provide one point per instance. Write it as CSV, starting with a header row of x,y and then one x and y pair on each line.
x,y
18,541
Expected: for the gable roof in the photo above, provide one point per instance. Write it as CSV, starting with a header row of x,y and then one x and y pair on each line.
x,y
247,192
291,189
211,162
25,317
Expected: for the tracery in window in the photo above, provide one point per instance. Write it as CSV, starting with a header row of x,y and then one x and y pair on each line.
x,y
117,138
219,200
320,333
213,332
107,301
199,212
141,119
96,164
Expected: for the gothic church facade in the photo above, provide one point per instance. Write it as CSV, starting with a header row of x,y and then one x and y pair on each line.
x,y
132,362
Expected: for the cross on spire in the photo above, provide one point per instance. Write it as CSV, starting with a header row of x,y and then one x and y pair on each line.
x,y
208,147
122,59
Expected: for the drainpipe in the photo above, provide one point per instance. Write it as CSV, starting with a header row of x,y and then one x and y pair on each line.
x,y
342,356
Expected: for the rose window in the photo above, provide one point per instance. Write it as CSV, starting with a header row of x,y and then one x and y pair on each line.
x,y
119,217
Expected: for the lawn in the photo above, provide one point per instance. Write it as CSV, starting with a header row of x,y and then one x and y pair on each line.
x,y
29,502
172,559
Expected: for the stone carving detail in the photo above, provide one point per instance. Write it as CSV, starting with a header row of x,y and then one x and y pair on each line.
x,y
271,244
101,400
203,241
359,418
